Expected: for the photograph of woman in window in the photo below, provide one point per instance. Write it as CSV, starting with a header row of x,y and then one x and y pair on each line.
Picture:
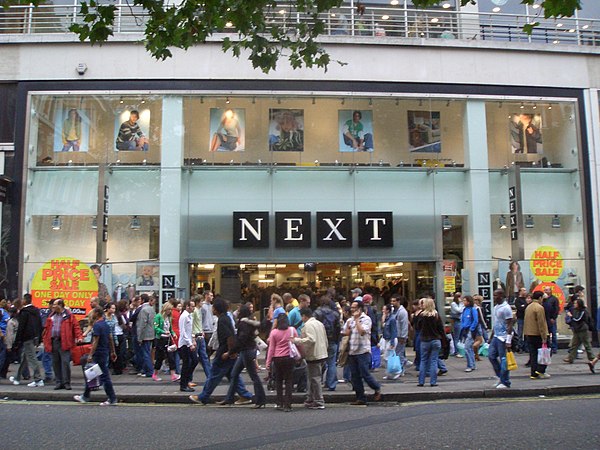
x,y
71,131
227,130
356,131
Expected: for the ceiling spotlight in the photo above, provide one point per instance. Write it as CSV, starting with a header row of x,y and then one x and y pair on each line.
x,y
447,103
446,5
121,100
502,222
420,102
314,101
435,20
529,222
394,2
446,223
253,100
496,9
143,101
56,223
94,223
343,101
135,223
549,106
370,102
227,100
385,17
522,105
534,106
556,221
559,25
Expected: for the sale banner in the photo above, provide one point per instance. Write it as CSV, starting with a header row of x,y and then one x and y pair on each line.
x,y
546,263
66,278
556,291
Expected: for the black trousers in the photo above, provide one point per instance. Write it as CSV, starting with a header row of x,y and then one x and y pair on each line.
x,y
535,343
189,361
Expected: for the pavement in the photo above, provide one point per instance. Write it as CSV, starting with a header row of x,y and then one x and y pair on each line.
x,y
566,379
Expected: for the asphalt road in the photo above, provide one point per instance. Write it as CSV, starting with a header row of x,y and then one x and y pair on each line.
x,y
540,423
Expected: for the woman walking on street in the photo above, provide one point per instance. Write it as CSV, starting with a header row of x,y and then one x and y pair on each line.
x,y
581,324
431,330
469,323
163,337
280,355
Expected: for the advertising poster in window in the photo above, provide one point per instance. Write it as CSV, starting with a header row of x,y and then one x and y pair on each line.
x,y
286,130
227,130
424,132
356,130
147,276
132,130
71,130
526,133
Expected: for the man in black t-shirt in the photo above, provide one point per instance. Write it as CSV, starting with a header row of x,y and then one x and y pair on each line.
x,y
521,303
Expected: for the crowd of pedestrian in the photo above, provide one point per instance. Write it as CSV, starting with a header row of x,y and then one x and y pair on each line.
x,y
304,340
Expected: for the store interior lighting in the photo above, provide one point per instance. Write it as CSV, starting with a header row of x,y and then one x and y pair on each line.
x,y
529,222
56,223
135,223
94,223
556,221
446,223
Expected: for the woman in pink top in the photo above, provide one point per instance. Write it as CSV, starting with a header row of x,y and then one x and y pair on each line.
x,y
283,363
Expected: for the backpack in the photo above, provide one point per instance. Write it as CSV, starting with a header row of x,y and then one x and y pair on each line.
x,y
331,323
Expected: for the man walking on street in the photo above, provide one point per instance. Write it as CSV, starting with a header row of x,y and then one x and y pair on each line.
x,y
501,338
145,333
551,309
208,320
199,335
187,347
314,340
328,315
401,314
61,334
358,328
29,333
536,333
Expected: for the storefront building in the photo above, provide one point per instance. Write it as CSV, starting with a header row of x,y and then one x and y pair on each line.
x,y
426,161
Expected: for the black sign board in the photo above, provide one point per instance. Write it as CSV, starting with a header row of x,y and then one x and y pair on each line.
x,y
485,292
483,278
292,230
250,229
334,229
375,229
168,281
168,295
486,309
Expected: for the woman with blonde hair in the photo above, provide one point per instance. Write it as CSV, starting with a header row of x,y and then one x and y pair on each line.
x,y
431,332
163,337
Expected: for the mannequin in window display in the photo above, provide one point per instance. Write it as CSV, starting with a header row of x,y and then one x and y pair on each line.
x,y
514,281
130,135
498,284
525,134
228,135
71,131
354,134
534,284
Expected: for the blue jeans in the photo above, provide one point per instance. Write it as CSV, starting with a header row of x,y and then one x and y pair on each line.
x,y
401,352
497,351
247,358
469,352
331,378
430,351
359,370
456,327
102,361
3,354
219,370
146,362
137,353
522,340
417,350
203,356
552,330
46,359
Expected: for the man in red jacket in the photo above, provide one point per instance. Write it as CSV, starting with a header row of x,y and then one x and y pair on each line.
x,y
61,334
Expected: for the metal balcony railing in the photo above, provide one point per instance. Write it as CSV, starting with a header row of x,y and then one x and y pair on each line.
x,y
376,22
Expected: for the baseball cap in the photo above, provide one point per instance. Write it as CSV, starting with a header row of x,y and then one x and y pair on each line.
x,y
356,291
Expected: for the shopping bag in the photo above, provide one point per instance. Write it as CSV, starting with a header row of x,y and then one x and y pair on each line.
x,y
544,355
511,362
92,383
394,365
460,348
93,371
375,357
294,351
78,351
484,350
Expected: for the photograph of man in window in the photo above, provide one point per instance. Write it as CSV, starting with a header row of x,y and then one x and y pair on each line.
x,y
525,133
356,132
286,130
131,136
227,130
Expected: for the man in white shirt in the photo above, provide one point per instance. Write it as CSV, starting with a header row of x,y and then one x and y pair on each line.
x,y
187,346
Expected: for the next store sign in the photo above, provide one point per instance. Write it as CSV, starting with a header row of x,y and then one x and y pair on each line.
x,y
293,229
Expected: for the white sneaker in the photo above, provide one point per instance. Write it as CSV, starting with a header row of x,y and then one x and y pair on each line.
x,y
39,383
79,398
13,381
408,364
398,375
458,355
543,375
502,386
468,369
385,377
32,384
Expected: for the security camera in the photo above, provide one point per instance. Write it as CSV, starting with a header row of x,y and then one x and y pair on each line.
x,y
81,68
